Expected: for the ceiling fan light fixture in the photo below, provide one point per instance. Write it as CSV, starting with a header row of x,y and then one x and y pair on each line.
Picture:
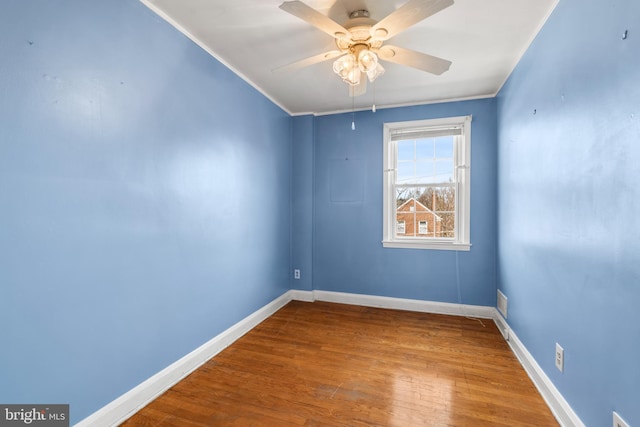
x,y
367,60
347,68
342,65
375,73
353,78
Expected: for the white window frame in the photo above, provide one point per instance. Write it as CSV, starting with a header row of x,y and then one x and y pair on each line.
x,y
404,227
462,171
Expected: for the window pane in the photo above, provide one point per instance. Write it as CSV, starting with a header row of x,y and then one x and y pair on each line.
x,y
445,199
406,150
403,195
425,197
444,147
424,148
406,172
446,225
405,211
444,171
445,209
424,172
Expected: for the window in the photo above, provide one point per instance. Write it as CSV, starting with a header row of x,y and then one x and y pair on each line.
x,y
422,227
426,184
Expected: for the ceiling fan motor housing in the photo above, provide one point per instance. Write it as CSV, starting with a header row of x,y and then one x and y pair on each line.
x,y
359,26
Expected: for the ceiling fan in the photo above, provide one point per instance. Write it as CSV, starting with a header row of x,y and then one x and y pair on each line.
x,y
360,42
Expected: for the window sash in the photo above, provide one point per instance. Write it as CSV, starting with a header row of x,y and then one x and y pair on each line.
x,y
435,211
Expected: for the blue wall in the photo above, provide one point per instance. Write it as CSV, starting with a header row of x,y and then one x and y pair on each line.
x,y
569,230
347,212
145,199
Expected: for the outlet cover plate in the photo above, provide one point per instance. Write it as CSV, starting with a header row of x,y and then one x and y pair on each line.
x,y
559,357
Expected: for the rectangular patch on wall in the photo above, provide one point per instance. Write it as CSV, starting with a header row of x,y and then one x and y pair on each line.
x,y
346,180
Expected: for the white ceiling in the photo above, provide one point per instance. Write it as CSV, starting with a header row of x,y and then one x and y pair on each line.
x,y
483,38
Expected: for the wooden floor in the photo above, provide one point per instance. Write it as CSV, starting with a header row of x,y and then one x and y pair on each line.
x,y
322,364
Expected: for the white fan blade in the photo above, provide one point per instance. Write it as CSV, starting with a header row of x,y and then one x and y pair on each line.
x,y
407,15
360,88
411,58
315,18
295,66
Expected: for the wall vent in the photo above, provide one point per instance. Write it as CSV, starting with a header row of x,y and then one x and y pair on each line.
x,y
502,304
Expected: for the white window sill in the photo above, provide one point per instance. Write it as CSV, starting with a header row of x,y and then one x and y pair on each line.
x,y
421,244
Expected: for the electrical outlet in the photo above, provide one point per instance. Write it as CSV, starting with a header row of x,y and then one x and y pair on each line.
x,y
559,358
296,274
618,421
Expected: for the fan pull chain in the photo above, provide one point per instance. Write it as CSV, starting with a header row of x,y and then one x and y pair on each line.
x,y
373,108
353,112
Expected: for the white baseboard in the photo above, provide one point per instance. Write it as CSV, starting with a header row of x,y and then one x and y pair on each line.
x,y
501,323
135,399
556,402
306,296
397,303
129,403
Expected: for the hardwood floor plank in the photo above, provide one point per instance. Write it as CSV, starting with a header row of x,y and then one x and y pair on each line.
x,y
324,364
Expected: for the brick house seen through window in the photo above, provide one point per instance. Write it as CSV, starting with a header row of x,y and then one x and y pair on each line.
x,y
417,220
